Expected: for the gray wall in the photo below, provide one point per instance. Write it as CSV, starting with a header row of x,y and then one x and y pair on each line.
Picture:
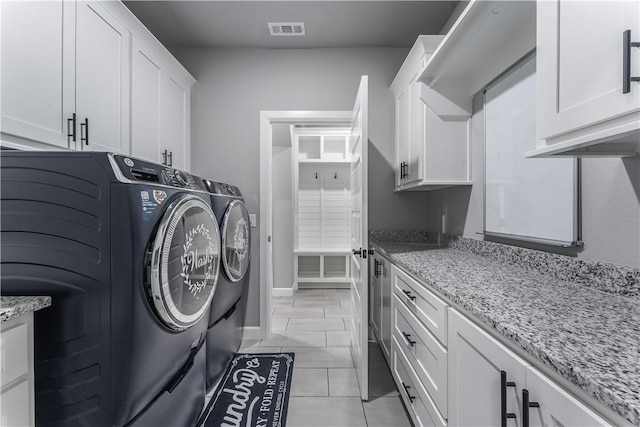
x,y
234,85
610,202
282,194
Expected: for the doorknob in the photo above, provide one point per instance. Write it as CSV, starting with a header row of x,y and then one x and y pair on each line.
x,y
357,252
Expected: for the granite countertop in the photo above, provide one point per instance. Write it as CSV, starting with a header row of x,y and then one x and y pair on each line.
x,y
589,336
11,307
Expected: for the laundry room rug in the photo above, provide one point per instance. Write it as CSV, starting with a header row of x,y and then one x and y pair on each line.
x,y
254,392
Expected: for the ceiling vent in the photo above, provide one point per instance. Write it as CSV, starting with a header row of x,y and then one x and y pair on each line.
x,y
286,28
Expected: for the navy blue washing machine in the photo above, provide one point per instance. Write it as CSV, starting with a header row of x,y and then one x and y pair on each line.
x,y
130,252
226,318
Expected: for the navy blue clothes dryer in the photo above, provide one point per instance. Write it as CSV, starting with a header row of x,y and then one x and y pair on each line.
x,y
226,318
130,252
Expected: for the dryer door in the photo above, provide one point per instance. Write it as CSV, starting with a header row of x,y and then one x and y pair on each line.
x,y
235,241
185,262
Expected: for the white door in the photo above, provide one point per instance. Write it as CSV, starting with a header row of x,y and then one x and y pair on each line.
x,y
38,70
146,73
102,80
359,240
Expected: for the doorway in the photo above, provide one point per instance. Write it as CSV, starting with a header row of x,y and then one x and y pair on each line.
x,y
272,126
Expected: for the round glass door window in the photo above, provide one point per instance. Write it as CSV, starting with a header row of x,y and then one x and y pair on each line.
x,y
185,262
235,241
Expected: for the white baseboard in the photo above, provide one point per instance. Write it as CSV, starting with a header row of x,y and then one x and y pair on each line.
x,y
282,292
252,333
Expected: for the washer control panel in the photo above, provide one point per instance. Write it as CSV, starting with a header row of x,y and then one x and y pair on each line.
x,y
222,188
137,170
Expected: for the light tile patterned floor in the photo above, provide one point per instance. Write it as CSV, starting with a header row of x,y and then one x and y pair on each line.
x,y
324,391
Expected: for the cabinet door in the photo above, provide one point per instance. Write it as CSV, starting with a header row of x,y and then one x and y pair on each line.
x,y
416,133
38,70
145,103
556,406
402,132
475,362
376,298
15,406
579,63
385,315
102,79
174,128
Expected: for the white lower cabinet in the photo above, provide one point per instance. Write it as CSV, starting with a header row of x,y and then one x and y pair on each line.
x,y
420,406
476,361
418,349
16,375
380,294
427,356
477,364
555,407
450,371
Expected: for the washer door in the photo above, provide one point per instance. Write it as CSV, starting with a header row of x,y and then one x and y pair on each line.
x,y
235,241
185,262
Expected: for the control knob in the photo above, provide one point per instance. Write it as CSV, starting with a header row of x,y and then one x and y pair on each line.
x,y
181,177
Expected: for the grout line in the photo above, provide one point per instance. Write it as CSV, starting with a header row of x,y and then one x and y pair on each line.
x,y
328,384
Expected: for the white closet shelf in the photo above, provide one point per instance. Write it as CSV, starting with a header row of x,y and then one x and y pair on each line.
x,y
322,251
487,38
328,161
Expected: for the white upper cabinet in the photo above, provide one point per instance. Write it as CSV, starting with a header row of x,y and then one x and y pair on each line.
x,y
582,110
431,152
102,80
174,120
145,102
87,75
160,110
38,70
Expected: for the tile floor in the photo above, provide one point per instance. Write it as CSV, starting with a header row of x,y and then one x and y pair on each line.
x,y
324,389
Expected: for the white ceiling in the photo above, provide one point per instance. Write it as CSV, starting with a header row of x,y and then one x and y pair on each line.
x,y
328,23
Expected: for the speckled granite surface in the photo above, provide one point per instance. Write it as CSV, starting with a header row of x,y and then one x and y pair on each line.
x,y
11,307
590,336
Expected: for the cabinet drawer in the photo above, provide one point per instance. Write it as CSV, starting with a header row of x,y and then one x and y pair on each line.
x,y
427,356
422,410
427,307
15,405
14,349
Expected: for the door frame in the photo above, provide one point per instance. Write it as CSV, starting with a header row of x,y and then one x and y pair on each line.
x,y
267,118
